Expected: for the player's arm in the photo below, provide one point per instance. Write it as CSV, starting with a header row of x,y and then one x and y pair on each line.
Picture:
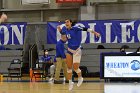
x,y
92,31
3,18
59,28
0,21
88,30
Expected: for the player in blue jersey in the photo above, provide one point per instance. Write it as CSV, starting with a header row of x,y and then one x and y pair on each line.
x,y
73,55
47,59
61,59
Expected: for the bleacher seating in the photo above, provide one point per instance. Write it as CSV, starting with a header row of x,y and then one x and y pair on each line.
x,y
6,56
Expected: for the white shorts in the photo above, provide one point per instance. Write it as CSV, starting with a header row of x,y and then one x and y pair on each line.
x,y
77,56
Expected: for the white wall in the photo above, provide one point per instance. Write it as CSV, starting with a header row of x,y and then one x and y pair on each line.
x,y
118,11
16,4
36,13
87,13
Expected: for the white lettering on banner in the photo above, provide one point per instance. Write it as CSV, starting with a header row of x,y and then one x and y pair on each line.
x,y
92,36
138,32
108,33
18,33
126,32
58,33
6,34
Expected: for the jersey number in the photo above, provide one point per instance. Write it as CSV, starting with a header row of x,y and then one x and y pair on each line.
x,y
68,36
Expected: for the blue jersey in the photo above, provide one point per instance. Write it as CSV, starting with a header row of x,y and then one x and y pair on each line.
x,y
54,60
60,49
73,36
46,58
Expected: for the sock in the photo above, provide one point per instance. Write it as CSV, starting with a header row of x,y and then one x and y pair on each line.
x,y
70,81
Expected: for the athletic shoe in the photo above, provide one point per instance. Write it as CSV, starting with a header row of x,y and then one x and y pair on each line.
x,y
58,82
80,81
71,86
51,79
67,81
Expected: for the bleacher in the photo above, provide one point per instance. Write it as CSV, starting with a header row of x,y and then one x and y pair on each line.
x,y
90,54
6,56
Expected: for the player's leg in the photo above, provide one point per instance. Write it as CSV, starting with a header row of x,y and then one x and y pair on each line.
x,y
76,64
57,71
64,67
69,61
52,70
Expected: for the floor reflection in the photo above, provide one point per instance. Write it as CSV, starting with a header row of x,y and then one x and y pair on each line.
x,y
122,87
86,87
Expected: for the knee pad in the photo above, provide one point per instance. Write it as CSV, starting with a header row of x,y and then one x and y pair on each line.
x,y
78,71
69,70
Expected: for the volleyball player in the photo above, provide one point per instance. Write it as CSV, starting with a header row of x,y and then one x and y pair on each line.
x,y
73,55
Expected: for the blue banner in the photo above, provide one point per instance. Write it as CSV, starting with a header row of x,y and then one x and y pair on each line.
x,y
112,31
12,34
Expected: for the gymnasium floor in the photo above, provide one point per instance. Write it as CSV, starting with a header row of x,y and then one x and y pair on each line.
x,y
89,86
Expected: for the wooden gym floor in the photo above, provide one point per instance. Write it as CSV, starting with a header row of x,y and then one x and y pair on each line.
x,y
89,86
